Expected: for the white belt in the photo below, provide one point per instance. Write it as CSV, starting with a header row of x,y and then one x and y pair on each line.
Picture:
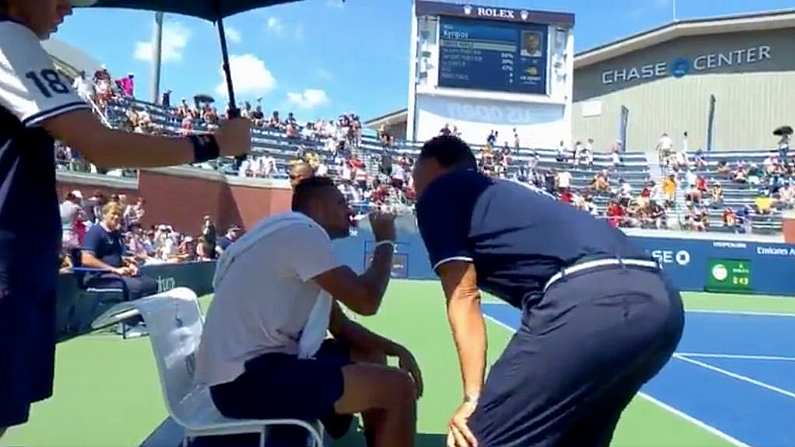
x,y
584,266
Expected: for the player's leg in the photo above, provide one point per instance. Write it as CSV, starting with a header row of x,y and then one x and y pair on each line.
x,y
571,347
282,386
372,418
372,389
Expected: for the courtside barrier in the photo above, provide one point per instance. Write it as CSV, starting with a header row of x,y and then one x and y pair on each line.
x,y
74,317
694,261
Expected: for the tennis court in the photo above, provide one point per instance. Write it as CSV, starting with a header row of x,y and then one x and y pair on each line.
x,y
731,384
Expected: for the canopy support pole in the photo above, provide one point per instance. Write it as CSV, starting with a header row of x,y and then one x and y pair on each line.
x,y
233,112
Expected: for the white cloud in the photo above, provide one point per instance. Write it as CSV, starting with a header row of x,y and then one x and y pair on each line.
x,y
324,74
233,35
308,99
275,26
175,39
249,75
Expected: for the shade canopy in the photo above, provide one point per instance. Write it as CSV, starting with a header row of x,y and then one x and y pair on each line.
x,y
211,10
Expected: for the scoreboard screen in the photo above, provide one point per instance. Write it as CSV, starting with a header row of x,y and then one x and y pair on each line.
x,y
493,56
729,275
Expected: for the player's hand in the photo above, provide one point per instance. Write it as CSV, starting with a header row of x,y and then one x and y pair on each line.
x,y
383,225
408,363
234,137
458,432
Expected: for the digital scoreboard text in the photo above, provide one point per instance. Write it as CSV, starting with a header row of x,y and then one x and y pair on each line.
x,y
491,56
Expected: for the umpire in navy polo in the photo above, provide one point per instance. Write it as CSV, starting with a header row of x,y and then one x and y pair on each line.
x,y
37,106
599,319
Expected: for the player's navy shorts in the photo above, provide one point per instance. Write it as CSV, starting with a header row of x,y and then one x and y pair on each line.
x,y
579,357
27,338
282,386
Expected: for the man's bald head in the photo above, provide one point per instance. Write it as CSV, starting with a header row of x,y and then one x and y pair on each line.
x,y
300,171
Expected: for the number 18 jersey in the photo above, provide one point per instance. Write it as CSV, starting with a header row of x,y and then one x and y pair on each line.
x,y
31,92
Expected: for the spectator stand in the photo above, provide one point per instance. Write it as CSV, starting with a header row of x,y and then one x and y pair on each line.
x,y
720,191
736,191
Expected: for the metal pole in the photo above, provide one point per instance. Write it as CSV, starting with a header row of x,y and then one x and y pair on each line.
x,y
157,56
673,9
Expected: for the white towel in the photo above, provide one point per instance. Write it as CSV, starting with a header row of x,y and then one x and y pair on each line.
x,y
314,331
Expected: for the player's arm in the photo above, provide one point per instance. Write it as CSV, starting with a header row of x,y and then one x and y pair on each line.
x,y
443,225
344,329
32,89
313,258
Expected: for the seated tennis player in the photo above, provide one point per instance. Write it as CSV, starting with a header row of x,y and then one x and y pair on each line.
x,y
264,352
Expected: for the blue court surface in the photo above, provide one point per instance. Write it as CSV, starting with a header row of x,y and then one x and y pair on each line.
x,y
733,374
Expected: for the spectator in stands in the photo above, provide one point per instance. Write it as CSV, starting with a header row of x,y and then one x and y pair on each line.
x,y
136,243
664,150
103,87
127,85
699,161
729,218
104,248
299,171
669,190
763,204
723,169
232,233
600,183
716,194
70,211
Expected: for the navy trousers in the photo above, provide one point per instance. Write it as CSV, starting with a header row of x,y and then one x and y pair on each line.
x,y
580,356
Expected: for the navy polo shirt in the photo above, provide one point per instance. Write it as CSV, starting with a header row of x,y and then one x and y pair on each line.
x,y
107,246
517,236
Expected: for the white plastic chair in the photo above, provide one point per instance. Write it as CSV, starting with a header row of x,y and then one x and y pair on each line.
x,y
175,323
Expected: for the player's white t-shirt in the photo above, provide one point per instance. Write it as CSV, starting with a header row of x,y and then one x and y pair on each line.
x,y
30,87
264,301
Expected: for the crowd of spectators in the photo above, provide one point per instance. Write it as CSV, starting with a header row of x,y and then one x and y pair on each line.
x,y
770,186
139,245
690,187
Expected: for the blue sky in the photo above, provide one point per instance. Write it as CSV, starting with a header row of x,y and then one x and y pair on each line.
x,y
322,57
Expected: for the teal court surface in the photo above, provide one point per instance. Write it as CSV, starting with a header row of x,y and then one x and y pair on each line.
x,y
731,383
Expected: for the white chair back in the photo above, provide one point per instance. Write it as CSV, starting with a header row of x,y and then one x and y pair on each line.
x,y
174,322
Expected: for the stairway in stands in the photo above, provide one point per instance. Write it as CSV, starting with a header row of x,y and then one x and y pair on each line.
x,y
657,174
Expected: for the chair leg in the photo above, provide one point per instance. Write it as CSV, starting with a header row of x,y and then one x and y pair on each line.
x,y
262,437
316,436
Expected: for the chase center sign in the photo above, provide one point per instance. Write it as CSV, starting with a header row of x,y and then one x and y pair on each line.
x,y
683,66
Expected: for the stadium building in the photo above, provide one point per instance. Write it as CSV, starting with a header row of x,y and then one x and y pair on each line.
x,y
727,82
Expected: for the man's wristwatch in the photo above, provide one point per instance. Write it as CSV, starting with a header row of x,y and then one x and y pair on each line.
x,y
471,400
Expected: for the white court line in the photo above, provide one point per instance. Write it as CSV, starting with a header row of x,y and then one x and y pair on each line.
x,y
740,312
698,423
741,377
736,356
